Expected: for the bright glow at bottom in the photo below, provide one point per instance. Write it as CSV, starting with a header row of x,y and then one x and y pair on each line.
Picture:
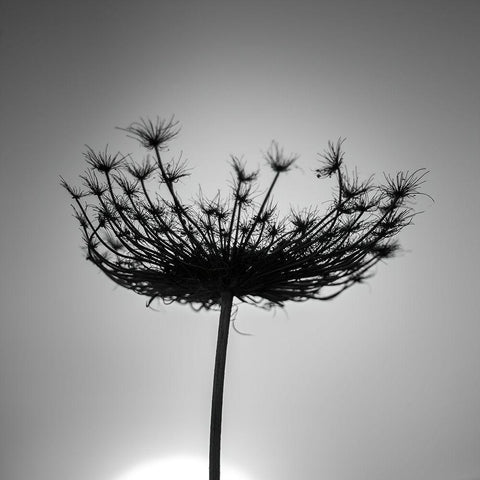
x,y
178,468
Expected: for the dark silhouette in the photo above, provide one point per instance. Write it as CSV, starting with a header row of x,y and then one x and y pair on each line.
x,y
214,251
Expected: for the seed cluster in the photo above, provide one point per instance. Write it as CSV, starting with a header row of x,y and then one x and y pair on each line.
x,y
137,230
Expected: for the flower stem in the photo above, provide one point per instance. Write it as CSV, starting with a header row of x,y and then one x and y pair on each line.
x,y
218,381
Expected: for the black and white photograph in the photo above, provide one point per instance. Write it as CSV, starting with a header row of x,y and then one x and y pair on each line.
x,y
239,240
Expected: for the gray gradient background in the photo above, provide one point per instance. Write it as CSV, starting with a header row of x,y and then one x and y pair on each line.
x,y
382,383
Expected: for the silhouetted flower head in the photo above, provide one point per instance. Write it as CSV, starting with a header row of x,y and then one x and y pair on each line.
x,y
153,135
140,233
277,160
333,160
240,172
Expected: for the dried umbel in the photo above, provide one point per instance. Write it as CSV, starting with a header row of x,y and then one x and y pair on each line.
x,y
153,243
140,233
